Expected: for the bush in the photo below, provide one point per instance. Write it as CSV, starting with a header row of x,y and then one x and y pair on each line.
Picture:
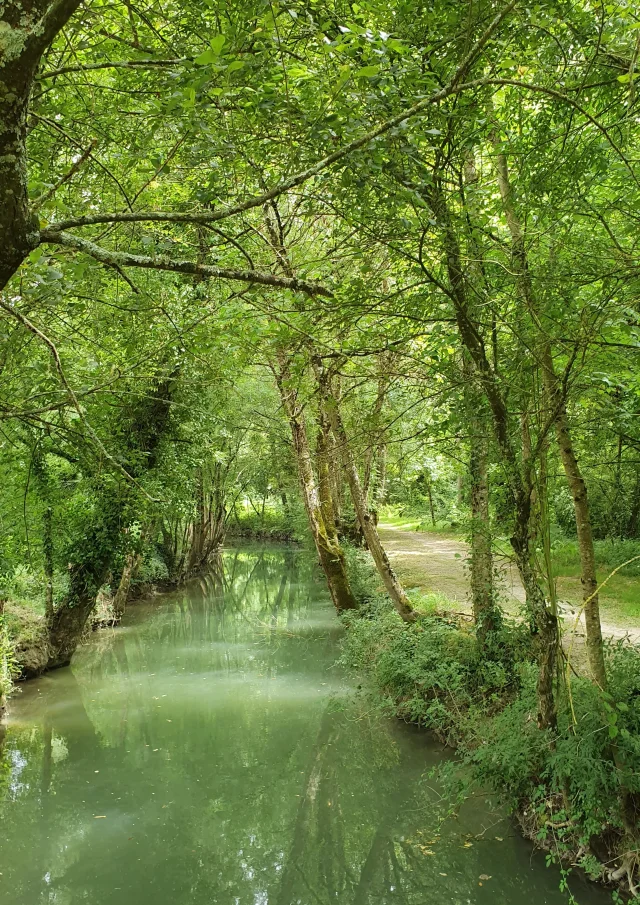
x,y
567,787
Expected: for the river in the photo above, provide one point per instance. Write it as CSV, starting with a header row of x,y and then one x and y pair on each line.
x,y
210,752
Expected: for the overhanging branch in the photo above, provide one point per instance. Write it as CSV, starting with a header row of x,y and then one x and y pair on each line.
x,y
124,259
115,64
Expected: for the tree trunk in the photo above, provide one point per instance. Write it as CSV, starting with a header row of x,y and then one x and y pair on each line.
x,y
634,515
485,612
381,480
329,551
392,584
47,550
198,530
27,31
86,578
42,480
544,621
131,566
557,400
431,509
324,477
147,423
588,577
373,438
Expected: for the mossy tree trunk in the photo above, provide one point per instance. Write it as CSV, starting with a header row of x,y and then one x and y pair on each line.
x,y
365,518
518,478
27,30
485,610
330,553
95,551
131,566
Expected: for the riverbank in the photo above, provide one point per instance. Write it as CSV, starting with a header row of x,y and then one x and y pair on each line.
x,y
25,628
210,749
571,795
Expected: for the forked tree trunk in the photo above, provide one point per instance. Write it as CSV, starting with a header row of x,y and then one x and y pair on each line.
x,y
329,551
544,621
486,612
367,523
86,578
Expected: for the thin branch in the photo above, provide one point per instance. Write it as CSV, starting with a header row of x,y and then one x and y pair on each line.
x,y
454,86
115,64
63,179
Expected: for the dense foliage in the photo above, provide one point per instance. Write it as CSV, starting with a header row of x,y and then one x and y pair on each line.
x,y
269,268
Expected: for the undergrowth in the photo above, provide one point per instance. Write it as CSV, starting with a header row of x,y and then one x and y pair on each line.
x,y
572,788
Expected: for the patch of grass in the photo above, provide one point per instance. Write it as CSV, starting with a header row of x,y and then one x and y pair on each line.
x,y
610,554
430,604
621,595
407,520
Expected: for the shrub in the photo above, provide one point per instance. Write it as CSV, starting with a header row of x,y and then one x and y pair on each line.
x,y
569,786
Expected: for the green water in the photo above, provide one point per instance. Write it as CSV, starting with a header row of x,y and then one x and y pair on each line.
x,y
209,751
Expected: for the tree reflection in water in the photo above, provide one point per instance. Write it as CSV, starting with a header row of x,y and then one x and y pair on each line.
x,y
210,751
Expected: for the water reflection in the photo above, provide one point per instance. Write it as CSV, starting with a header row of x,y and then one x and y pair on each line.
x,y
209,751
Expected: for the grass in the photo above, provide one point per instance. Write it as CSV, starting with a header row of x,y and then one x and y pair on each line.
x,y
619,598
411,521
621,595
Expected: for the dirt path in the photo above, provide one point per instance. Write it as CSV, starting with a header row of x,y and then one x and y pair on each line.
x,y
436,565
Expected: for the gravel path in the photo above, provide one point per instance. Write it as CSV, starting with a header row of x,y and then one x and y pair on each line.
x,y
436,564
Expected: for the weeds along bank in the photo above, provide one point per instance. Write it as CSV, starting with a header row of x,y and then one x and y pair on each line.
x,y
574,790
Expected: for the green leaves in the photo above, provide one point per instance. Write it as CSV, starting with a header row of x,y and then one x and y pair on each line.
x,y
212,54
367,72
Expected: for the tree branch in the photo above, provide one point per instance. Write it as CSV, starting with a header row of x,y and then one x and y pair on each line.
x,y
124,259
13,312
115,64
63,179
454,86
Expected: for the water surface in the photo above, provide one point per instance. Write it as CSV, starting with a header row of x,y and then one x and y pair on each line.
x,y
209,752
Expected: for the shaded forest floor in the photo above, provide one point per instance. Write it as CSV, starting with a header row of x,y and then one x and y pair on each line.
x,y
434,563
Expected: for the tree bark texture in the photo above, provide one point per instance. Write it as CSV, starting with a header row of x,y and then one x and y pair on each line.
x,y
544,622
27,31
131,566
365,518
329,551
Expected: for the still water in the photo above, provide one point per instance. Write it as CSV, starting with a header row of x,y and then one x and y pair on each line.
x,y
209,752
